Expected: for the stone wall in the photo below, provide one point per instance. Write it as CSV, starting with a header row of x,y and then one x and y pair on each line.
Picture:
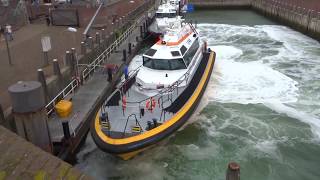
x,y
305,20
304,17
209,4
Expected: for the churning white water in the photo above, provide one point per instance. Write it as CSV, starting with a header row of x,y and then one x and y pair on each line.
x,y
263,78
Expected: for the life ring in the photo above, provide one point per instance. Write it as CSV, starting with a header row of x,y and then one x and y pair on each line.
x,y
151,104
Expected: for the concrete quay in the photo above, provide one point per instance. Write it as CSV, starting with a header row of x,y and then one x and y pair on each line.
x,y
97,52
95,89
22,160
26,51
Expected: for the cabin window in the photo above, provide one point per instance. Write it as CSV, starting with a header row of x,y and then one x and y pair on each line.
x,y
151,52
147,62
176,64
183,49
165,15
175,53
191,52
164,64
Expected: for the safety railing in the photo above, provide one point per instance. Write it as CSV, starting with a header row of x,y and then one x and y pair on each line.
x,y
70,88
106,53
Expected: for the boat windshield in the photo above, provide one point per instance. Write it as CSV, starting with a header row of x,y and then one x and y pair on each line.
x,y
165,15
164,64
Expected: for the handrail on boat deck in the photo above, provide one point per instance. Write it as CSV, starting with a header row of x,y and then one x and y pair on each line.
x,y
137,123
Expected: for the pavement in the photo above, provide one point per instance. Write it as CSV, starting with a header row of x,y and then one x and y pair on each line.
x,y
26,50
27,55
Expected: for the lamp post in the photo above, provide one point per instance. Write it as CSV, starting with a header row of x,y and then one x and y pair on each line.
x,y
7,45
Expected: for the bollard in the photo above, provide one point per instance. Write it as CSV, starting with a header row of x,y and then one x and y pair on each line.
x,y
42,80
66,129
45,59
56,68
30,115
124,55
129,48
103,34
233,171
141,32
90,43
68,58
98,38
137,39
83,48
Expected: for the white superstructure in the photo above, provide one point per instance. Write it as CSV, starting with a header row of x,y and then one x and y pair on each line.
x,y
175,55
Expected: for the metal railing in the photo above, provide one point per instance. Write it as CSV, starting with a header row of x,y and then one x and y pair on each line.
x,y
70,88
106,53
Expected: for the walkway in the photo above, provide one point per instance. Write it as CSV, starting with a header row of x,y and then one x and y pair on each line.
x,y
89,97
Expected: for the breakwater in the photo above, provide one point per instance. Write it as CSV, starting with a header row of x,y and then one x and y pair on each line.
x,y
290,13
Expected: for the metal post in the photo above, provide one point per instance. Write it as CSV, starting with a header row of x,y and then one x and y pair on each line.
x,y
30,115
45,59
124,54
56,68
103,34
2,119
141,32
8,49
98,38
75,61
129,48
42,80
90,43
83,48
68,58
233,171
144,29
66,129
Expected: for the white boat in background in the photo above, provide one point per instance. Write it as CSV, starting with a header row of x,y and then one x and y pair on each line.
x,y
166,17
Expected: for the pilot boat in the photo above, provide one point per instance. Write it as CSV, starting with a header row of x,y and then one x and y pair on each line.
x,y
158,97
166,17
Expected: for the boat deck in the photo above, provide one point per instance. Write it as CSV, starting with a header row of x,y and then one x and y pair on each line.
x,y
123,120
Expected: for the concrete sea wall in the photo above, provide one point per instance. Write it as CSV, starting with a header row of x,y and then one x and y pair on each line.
x,y
305,20
216,4
304,17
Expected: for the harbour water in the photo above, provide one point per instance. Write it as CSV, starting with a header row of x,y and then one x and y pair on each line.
x,y
261,109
